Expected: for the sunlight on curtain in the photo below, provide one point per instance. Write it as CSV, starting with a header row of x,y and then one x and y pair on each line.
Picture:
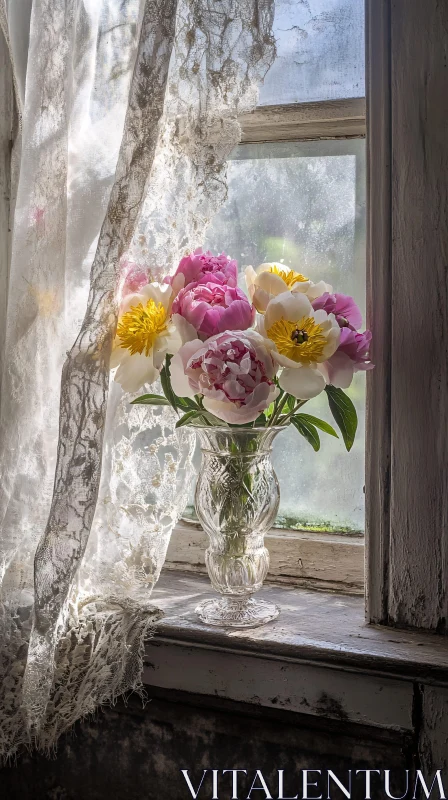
x,y
130,111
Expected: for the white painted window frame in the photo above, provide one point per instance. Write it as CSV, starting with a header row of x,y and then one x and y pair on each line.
x,y
325,561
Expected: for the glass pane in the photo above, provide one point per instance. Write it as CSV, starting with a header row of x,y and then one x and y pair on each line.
x,y
304,204
320,52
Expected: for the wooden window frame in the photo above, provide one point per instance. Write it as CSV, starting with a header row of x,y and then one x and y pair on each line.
x,y
324,561
326,119
407,245
407,393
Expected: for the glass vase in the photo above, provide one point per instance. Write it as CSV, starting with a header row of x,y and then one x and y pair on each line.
x,y
237,497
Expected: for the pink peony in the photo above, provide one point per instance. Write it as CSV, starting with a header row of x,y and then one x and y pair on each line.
x,y
356,347
234,371
133,277
213,308
342,306
351,356
205,268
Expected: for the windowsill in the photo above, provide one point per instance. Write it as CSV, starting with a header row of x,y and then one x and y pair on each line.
x,y
311,560
319,657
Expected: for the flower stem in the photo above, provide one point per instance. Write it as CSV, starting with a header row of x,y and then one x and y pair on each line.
x,y
291,413
279,410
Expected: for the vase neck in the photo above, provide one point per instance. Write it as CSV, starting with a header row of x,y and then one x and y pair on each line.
x,y
237,441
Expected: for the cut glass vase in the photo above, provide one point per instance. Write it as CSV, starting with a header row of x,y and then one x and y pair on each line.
x,y
237,498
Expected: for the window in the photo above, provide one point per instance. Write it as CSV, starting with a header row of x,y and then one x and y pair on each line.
x,y
297,195
320,52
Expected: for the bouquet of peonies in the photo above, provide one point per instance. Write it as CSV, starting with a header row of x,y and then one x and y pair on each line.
x,y
227,359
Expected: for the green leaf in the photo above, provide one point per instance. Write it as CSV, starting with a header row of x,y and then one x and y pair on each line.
x,y
212,420
176,402
319,423
150,400
199,417
165,380
291,402
186,402
270,410
226,512
260,422
188,418
344,413
247,483
308,431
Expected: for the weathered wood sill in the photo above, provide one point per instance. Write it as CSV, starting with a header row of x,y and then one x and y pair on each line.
x,y
318,658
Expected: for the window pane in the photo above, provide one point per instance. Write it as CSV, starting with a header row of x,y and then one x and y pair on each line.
x,y
304,204
320,52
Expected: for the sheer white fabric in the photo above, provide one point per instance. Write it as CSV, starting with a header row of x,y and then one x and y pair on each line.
x,y
129,111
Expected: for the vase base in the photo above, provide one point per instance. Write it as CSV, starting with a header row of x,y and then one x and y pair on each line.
x,y
231,612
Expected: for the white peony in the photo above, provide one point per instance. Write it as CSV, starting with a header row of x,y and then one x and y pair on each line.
x,y
146,333
303,339
272,279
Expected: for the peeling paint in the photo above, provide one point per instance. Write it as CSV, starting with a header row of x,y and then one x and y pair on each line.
x,y
329,706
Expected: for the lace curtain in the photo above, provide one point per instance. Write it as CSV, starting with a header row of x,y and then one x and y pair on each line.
x,y
128,111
